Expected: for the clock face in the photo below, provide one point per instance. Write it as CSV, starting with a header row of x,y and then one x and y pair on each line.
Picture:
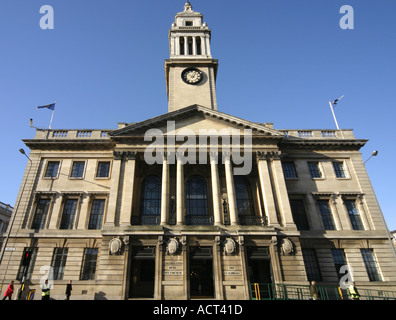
x,y
192,76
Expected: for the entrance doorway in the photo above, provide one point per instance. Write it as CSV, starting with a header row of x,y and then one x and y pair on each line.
x,y
201,272
142,272
259,269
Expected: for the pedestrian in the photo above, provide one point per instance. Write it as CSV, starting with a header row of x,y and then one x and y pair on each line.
x,y
10,290
313,291
45,291
68,290
353,292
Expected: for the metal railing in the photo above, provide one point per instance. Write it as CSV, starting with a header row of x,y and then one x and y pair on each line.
x,y
278,291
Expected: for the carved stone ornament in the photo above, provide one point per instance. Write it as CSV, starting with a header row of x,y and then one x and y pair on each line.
x,y
173,246
287,247
115,246
229,246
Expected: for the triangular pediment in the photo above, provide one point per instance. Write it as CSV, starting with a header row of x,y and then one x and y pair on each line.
x,y
193,119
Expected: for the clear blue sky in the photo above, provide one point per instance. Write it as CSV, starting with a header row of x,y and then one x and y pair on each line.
x,y
279,61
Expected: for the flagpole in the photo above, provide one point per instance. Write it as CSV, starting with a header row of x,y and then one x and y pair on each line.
x,y
335,120
52,116
332,111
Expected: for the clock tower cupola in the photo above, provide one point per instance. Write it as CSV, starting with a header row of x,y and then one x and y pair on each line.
x,y
190,71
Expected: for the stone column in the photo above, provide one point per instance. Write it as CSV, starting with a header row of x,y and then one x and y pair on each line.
x,y
275,262
114,189
282,195
203,46
127,193
186,53
266,189
194,46
230,189
207,45
164,189
179,189
215,188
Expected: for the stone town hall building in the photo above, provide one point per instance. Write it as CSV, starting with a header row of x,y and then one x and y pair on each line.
x,y
179,220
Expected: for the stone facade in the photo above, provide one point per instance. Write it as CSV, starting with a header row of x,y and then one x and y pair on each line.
x,y
177,222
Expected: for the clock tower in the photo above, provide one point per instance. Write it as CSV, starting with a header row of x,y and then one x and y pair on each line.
x,y
190,71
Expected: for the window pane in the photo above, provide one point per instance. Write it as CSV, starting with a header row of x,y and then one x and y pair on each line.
x,y
339,260
89,264
311,265
40,215
52,169
339,169
299,214
327,217
150,204
371,265
78,169
69,212
354,215
196,201
314,170
59,262
103,169
289,170
243,196
96,217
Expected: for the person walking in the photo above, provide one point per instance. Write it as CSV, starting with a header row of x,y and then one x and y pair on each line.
x,y
10,290
313,291
46,291
68,290
353,292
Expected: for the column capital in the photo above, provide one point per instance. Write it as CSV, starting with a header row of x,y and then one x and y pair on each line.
x,y
214,156
124,154
268,155
226,156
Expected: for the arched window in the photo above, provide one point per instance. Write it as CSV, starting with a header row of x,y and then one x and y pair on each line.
x,y
150,205
197,201
244,200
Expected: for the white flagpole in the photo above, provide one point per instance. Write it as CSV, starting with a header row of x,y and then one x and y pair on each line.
x,y
335,120
332,111
52,116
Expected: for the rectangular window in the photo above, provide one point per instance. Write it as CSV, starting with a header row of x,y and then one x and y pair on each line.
x,y
96,216
89,264
339,169
371,265
59,262
52,169
103,169
289,170
69,212
78,169
354,215
40,215
299,214
314,170
325,212
311,265
339,260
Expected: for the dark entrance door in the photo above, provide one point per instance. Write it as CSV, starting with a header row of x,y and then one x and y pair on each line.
x,y
142,275
201,272
259,269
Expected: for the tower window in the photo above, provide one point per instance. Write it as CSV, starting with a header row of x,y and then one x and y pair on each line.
x,y
181,44
190,46
189,23
199,50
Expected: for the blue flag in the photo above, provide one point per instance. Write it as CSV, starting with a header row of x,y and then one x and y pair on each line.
x,y
48,106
